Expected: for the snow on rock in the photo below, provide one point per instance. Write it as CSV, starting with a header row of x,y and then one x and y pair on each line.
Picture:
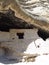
x,y
1,64
31,48
42,60
37,9
39,46
32,1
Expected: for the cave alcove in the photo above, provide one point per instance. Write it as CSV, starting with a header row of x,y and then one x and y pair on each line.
x,y
8,21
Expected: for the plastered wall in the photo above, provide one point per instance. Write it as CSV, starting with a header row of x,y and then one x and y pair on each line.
x,y
13,44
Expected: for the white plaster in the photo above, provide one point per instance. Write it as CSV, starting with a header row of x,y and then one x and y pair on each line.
x,y
17,45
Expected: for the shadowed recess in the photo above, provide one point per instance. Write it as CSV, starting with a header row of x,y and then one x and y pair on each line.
x,y
43,34
8,20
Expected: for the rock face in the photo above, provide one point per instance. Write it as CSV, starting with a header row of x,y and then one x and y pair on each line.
x,y
33,10
37,9
22,20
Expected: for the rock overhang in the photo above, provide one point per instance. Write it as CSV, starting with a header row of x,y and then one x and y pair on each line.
x,y
40,24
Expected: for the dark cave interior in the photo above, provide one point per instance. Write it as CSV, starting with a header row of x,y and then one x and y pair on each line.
x,y
9,21
43,34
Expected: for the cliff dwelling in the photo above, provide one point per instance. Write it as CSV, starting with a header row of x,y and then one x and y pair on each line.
x,y
16,35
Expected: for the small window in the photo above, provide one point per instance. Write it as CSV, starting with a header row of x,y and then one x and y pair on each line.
x,y
20,35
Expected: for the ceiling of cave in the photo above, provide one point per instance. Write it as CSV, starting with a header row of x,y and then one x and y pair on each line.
x,y
8,21
26,10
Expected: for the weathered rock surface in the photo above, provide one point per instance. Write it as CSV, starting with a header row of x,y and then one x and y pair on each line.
x,y
37,10
33,15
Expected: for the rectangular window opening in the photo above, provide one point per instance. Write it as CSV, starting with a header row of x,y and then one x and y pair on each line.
x,y
20,35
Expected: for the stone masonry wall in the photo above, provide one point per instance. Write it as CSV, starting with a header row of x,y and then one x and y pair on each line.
x,y
10,44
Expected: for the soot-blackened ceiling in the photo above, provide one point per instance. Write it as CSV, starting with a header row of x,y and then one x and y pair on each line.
x,y
8,20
